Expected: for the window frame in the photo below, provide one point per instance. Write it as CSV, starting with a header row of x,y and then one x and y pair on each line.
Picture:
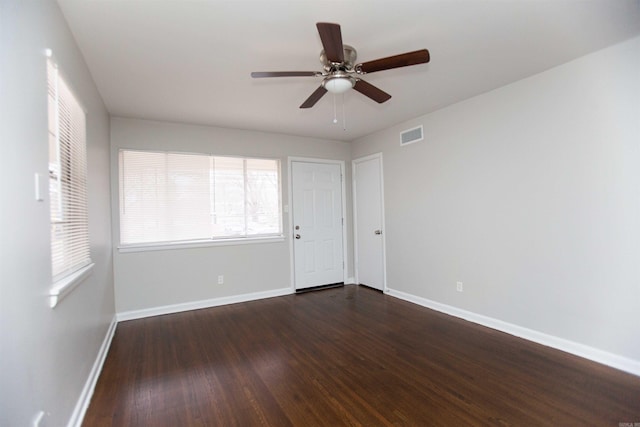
x,y
69,169
200,242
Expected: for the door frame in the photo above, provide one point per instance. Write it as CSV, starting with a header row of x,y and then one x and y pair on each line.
x,y
378,156
289,234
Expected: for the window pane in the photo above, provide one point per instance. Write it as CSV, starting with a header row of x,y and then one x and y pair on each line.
x,y
67,179
228,190
141,196
164,197
187,214
263,197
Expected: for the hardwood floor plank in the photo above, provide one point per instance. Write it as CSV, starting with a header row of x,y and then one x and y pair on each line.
x,y
347,356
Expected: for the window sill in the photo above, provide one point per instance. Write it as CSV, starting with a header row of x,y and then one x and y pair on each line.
x,y
63,287
198,244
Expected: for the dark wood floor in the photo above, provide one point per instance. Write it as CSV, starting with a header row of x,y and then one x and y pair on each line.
x,y
346,356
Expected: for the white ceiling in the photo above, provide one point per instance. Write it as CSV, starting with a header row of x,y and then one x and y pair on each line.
x,y
190,61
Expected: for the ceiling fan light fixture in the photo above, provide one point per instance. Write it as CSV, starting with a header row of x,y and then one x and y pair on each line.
x,y
338,83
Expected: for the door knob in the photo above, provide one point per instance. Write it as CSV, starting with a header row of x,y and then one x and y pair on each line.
x,y
297,236
378,232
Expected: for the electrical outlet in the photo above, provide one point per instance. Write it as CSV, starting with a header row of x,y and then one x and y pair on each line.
x,y
459,287
220,279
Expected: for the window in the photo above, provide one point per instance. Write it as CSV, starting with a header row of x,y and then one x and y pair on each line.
x,y
67,181
178,197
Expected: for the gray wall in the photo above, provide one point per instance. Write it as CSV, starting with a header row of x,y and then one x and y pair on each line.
x,y
46,354
152,279
529,195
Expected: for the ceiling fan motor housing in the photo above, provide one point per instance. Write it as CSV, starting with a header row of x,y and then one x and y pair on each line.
x,y
350,56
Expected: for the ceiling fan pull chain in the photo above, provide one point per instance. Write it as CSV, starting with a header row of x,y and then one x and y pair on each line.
x,y
335,114
344,115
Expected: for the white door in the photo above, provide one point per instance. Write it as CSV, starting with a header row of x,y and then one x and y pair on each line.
x,y
368,221
317,224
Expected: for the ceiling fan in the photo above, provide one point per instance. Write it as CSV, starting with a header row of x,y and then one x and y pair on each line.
x,y
341,73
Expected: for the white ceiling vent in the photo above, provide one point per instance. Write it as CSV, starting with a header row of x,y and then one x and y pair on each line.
x,y
412,135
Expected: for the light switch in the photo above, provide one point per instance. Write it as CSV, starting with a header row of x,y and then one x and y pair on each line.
x,y
39,189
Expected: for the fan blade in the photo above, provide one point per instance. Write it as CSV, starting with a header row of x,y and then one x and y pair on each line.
x,y
331,37
260,74
397,61
315,97
367,89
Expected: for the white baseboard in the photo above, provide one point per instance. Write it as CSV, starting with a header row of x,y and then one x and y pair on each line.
x,y
87,391
196,305
613,360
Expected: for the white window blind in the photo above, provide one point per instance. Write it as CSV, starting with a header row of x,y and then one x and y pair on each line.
x,y
67,178
176,197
